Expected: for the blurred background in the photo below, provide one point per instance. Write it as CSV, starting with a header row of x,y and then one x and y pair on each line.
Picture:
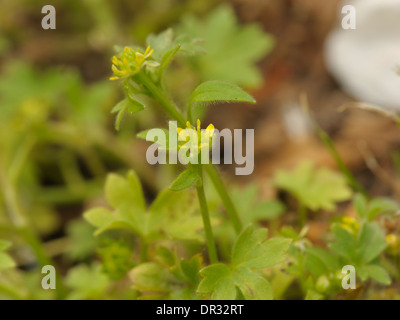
x,y
57,136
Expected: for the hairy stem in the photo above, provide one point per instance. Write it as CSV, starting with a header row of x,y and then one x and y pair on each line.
x,y
160,97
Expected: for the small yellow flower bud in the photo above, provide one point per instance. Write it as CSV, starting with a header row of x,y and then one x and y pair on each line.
x,y
350,224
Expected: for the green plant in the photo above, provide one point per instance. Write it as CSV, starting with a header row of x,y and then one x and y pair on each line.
x,y
176,231
314,189
171,214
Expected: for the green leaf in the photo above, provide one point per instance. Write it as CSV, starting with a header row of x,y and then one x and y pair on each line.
x,y
104,220
319,262
232,48
215,90
165,256
129,104
315,188
167,58
371,242
166,46
219,281
247,197
125,195
252,251
186,179
176,213
375,272
360,204
120,191
253,286
345,244
161,43
191,268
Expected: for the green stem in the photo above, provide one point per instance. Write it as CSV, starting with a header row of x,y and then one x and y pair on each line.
x,y
212,252
226,199
160,97
324,137
339,162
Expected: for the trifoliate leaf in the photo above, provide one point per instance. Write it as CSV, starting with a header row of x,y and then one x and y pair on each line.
x,y
315,188
249,253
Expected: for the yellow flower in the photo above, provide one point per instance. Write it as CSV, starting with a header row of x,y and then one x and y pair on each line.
x,y
393,243
350,224
130,62
195,139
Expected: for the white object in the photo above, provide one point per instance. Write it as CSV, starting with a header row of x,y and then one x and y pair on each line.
x,y
365,61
